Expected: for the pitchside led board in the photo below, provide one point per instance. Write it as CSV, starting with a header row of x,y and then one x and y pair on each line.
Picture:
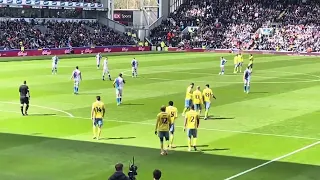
x,y
124,17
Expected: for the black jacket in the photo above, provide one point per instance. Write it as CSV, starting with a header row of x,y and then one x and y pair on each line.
x,y
118,176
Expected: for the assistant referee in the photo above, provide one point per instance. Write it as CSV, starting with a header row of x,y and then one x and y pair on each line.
x,y
24,98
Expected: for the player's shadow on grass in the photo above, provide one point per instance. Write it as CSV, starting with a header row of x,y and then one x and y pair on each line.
x,y
199,146
117,138
218,118
261,92
39,114
132,104
67,153
214,149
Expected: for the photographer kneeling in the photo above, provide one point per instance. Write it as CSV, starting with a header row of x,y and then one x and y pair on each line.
x,y
119,175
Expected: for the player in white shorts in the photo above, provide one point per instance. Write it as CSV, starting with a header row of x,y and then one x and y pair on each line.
x,y
55,60
77,77
105,69
98,59
223,61
118,84
246,80
134,65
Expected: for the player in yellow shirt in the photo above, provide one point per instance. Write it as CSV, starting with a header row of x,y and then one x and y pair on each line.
x,y
250,62
207,95
162,128
173,111
97,114
191,123
235,62
188,99
197,99
240,61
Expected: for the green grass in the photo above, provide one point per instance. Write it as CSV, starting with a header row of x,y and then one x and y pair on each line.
x,y
280,116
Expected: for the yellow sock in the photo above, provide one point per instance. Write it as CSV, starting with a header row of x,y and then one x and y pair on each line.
x,y
99,132
184,110
206,113
161,147
171,139
194,141
94,131
189,143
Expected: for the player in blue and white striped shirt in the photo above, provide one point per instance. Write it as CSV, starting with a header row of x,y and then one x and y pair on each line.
x,y
76,77
118,84
246,80
55,60
134,65
98,59
223,61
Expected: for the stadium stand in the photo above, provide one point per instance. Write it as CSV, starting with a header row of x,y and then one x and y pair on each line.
x,y
58,34
236,24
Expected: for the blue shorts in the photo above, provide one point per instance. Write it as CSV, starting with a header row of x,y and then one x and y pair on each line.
x,y
207,105
188,103
172,128
98,122
197,107
163,135
192,133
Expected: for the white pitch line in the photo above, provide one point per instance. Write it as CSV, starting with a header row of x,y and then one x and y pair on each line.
x,y
43,107
273,160
151,124
207,129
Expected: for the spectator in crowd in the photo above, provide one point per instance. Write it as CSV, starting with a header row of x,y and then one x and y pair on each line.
x,y
236,24
118,175
53,34
156,174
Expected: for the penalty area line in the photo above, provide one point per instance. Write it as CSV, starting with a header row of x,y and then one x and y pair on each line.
x,y
273,160
206,129
43,107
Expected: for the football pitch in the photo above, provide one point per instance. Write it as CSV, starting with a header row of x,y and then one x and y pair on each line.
x,y
270,133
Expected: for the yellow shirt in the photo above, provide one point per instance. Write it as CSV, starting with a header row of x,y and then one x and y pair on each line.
x,y
197,97
192,118
173,112
98,109
189,93
240,59
251,60
235,60
163,121
207,94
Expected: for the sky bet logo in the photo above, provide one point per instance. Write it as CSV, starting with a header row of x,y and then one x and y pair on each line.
x,y
28,2
46,3
9,1
122,16
19,2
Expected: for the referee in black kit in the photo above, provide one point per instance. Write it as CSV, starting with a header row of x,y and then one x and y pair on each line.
x,y
24,98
